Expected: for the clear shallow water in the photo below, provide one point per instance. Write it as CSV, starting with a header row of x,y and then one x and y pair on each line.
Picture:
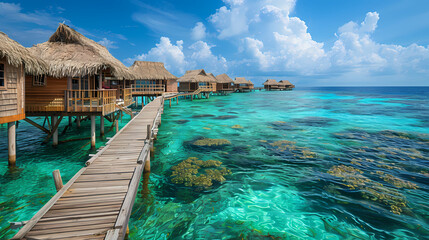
x,y
25,189
309,189
317,163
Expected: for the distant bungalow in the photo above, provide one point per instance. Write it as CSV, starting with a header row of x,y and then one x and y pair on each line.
x,y
271,85
224,84
152,79
15,62
214,84
286,85
196,81
83,78
242,85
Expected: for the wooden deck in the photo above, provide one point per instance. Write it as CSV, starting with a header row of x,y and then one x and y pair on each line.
x,y
97,202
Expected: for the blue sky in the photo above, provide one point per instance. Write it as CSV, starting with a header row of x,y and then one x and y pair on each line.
x,y
310,42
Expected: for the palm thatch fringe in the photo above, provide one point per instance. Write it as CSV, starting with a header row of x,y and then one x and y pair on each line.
x,y
69,53
17,55
240,80
151,71
196,76
223,78
271,82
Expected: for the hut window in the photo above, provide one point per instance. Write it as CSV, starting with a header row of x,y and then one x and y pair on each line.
x,y
2,78
39,80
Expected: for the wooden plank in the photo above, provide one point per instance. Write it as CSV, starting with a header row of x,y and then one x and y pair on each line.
x,y
21,233
66,229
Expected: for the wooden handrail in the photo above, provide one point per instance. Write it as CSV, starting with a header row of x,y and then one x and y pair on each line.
x,y
100,100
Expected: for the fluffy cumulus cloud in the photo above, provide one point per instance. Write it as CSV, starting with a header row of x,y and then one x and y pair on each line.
x,y
274,41
170,54
355,49
177,59
202,57
198,32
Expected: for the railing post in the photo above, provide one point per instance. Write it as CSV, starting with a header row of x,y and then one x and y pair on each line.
x,y
57,179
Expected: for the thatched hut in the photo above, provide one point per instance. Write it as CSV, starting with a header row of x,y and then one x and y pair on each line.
x,y
214,84
196,80
81,77
224,83
271,85
152,78
251,85
286,85
242,85
15,62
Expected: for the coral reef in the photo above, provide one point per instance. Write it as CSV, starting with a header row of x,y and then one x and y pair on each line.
x,y
187,172
208,142
237,126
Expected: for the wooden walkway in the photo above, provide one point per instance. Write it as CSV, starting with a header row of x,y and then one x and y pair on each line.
x,y
97,202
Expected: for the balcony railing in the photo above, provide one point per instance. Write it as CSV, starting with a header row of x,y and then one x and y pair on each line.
x,y
206,88
128,96
102,100
40,104
147,88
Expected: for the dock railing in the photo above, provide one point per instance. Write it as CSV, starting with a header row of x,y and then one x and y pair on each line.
x,y
139,89
102,100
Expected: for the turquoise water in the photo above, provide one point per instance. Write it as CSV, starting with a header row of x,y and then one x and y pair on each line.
x,y
25,189
321,163
327,163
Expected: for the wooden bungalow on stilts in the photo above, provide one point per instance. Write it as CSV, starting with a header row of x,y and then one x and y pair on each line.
x,y
76,83
286,85
152,80
242,85
224,84
214,84
271,85
197,82
251,85
15,61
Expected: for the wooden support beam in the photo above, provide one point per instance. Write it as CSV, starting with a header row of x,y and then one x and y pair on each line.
x,y
37,125
57,179
11,136
92,131
78,121
101,126
54,128
54,131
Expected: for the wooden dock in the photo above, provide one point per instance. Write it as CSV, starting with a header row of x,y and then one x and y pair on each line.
x,y
97,202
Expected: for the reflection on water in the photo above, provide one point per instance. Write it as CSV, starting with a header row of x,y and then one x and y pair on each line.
x,y
328,163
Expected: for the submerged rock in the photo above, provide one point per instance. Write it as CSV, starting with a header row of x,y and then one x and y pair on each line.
x,y
224,117
203,116
182,121
315,121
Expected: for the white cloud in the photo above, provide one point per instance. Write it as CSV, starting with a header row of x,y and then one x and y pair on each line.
x,y
11,12
171,55
202,57
177,59
355,49
198,32
107,43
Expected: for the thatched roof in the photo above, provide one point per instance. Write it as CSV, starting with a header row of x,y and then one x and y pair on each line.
x,y
270,82
151,71
69,53
223,78
240,80
285,82
16,55
212,76
196,76
249,82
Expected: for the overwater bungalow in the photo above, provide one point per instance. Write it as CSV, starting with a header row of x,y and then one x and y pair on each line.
x,y
83,79
152,79
197,81
224,84
271,85
214,84
286,85
15,62
251,85
242,85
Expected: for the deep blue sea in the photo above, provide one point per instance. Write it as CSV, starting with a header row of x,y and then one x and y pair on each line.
x,y
312,163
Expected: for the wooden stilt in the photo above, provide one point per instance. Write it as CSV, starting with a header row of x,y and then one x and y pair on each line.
x,y
101,126
117,125
92,131
78,121
70,121
170,102
11,133
57,179
177,100
55,131
147,164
